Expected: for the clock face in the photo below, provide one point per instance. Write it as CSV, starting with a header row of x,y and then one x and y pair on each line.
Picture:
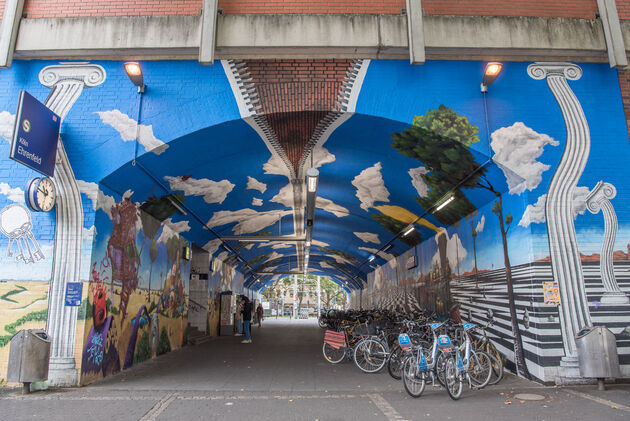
x,y
46,194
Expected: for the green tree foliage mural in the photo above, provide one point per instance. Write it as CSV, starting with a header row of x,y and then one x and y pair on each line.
x,y
150,227
395,227
440,140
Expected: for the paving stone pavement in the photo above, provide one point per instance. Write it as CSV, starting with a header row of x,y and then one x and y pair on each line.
x,y
282,375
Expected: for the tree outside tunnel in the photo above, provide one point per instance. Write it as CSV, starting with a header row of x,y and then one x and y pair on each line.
x,y
283,291
440,139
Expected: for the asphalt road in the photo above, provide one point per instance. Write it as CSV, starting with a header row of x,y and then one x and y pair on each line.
x,y
282,375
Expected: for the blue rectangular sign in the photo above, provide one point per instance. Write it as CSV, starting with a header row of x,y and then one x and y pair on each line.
x,y
74,290
35,135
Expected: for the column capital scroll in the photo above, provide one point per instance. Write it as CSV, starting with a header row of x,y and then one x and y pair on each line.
x,y
542,70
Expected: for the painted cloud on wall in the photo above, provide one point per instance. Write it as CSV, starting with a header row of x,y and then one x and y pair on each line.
x,y
481,224
455,251
257,202
7,121
128,128
89,189
535,213
382,254
418,182
253,184
212,246
368,237
275,166
249,220
370,187
516,149
105,203
14,194
212,191
172,229
285,198
322,156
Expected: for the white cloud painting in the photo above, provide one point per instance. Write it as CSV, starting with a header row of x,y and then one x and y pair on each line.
x,y
14,194
128,129
248,220
253,184
535,213
417,181
211,191
7,121
516,149
368,237
371,187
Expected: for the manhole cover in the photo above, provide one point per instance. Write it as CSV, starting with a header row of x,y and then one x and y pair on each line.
x,y
529,397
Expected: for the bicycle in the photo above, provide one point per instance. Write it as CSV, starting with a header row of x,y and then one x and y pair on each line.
x,y
485,344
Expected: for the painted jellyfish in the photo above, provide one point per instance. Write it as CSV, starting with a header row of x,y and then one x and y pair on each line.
x,y
15,223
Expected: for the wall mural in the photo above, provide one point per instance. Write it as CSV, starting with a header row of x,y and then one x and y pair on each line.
x,y
466,268
391,141
138,293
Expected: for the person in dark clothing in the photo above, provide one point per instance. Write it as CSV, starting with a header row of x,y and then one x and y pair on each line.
x,y
260,312
247,320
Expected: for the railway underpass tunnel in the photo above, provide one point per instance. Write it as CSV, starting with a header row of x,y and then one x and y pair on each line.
x,y
406,185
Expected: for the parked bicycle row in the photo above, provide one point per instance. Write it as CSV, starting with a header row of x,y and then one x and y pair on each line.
x,y
414,349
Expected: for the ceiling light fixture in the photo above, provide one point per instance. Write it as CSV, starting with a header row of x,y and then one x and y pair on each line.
x,y
388,247
446,202
371,258
409,230
311,180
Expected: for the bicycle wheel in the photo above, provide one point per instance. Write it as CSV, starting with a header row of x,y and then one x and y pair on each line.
x,y
414,380
333,355
440,368
394,363
497,369
453,379
370,355
479,369
322,323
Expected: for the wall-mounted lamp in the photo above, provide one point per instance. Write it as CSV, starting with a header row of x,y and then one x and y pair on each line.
x,y
446,202
409,230
134,72
490,74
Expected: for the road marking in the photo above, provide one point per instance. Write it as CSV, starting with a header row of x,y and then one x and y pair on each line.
x,y
390,413
598,400
159,407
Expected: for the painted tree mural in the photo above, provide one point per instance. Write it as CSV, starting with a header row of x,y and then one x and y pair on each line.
x,y
440,140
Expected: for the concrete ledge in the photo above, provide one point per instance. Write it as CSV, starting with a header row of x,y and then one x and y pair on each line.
x,y
314,36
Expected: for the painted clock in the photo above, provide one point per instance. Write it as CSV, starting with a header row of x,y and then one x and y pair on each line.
x,y
41,194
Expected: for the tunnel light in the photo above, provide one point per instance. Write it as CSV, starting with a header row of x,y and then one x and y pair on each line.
x,y
311,180
388,247
446,202
490,74
408,231
371,258
308,243
134,72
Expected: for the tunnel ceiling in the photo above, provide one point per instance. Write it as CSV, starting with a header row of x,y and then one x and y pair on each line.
x,y
376,176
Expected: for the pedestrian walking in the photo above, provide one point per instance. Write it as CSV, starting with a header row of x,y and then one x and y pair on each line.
x,y
238,316
260,312
247,320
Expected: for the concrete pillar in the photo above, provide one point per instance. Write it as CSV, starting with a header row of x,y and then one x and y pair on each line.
x,y
565,257
319,298
295,294
67,82
9,30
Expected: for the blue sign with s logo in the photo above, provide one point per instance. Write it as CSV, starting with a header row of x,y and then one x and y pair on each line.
x,y
35,135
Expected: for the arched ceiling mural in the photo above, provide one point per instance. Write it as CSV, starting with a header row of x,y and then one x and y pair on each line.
x,y
377,176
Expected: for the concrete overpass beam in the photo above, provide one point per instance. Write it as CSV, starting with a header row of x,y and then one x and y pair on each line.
x,y
612,32
9,30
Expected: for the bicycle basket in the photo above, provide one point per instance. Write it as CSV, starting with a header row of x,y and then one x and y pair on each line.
x,y
364,329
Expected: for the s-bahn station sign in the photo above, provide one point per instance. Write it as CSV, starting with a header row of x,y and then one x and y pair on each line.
x,y
35,135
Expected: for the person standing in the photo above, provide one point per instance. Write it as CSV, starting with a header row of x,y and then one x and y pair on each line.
x,y
247,320
238,316
260,312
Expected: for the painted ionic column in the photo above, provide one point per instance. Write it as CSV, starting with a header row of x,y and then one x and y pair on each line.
x,y
599,199
565,257
67,82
